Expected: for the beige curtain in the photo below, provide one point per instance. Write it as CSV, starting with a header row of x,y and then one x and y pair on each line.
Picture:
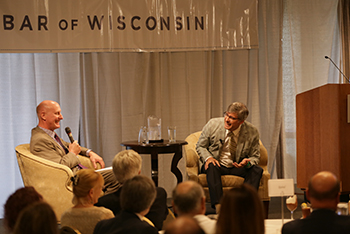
x,y
310,32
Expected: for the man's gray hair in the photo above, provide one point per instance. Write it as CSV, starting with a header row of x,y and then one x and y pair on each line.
x,y
126,164
240,109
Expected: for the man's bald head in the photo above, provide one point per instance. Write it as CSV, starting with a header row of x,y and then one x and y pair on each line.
x,y
188,197
44,106
49,114
324,186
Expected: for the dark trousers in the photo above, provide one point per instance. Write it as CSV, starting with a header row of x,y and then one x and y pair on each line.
x,y
251,176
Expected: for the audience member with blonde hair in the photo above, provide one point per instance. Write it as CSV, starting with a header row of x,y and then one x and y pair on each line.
x,y
83,216
127,164
38,217
136,198
241,212
16,202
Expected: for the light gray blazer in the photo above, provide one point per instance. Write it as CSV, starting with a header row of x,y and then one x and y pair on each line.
x,y
213,136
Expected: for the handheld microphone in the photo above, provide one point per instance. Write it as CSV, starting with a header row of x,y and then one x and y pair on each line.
x,y
326,57
69,133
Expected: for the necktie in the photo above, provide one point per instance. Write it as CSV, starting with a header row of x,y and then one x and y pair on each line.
x,y
66,150
60,143
232,146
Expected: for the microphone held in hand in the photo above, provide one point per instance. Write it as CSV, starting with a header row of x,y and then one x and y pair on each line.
x,y
347,79
69,133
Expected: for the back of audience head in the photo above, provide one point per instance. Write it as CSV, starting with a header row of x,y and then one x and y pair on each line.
x,y
38,217
138,194
324,190
87,187
126,164
16,202
184,225
189,198
241,212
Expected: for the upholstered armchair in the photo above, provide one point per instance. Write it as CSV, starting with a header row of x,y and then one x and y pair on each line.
x,y
228,181
50,179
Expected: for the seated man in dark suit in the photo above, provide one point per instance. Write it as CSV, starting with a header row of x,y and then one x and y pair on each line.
x,y
136,198
323,193
127,164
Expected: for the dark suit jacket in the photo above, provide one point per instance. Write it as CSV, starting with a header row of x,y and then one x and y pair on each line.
x,y
213,136
322,221
124,223
157,213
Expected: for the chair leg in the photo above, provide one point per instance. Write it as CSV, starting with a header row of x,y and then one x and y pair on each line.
x,y
266,208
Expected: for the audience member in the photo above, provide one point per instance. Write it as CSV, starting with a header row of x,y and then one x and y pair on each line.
x,y
37,218
87,188
229,146
16,202
136,199
189,200
323,193
241,212
47,144
126,165
184,225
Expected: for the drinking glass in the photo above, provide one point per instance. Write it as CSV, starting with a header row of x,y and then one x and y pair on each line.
x,y
143,135
292,204
305,210
172,134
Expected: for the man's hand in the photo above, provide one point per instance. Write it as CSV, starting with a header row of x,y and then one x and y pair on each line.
x,y
74,148
211,160
243,163
94,158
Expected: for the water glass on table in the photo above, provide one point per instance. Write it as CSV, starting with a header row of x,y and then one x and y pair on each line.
x,y
172,134
143,135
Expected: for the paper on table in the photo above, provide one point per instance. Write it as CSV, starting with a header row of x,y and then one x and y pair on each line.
x,y
104,169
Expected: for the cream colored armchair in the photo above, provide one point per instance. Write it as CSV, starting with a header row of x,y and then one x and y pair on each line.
x,y
228,181
50,179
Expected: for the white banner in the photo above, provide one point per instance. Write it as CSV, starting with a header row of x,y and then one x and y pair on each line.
x,y
127,25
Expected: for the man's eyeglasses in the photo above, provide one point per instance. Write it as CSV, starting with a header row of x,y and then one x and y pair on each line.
x,y
232,118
